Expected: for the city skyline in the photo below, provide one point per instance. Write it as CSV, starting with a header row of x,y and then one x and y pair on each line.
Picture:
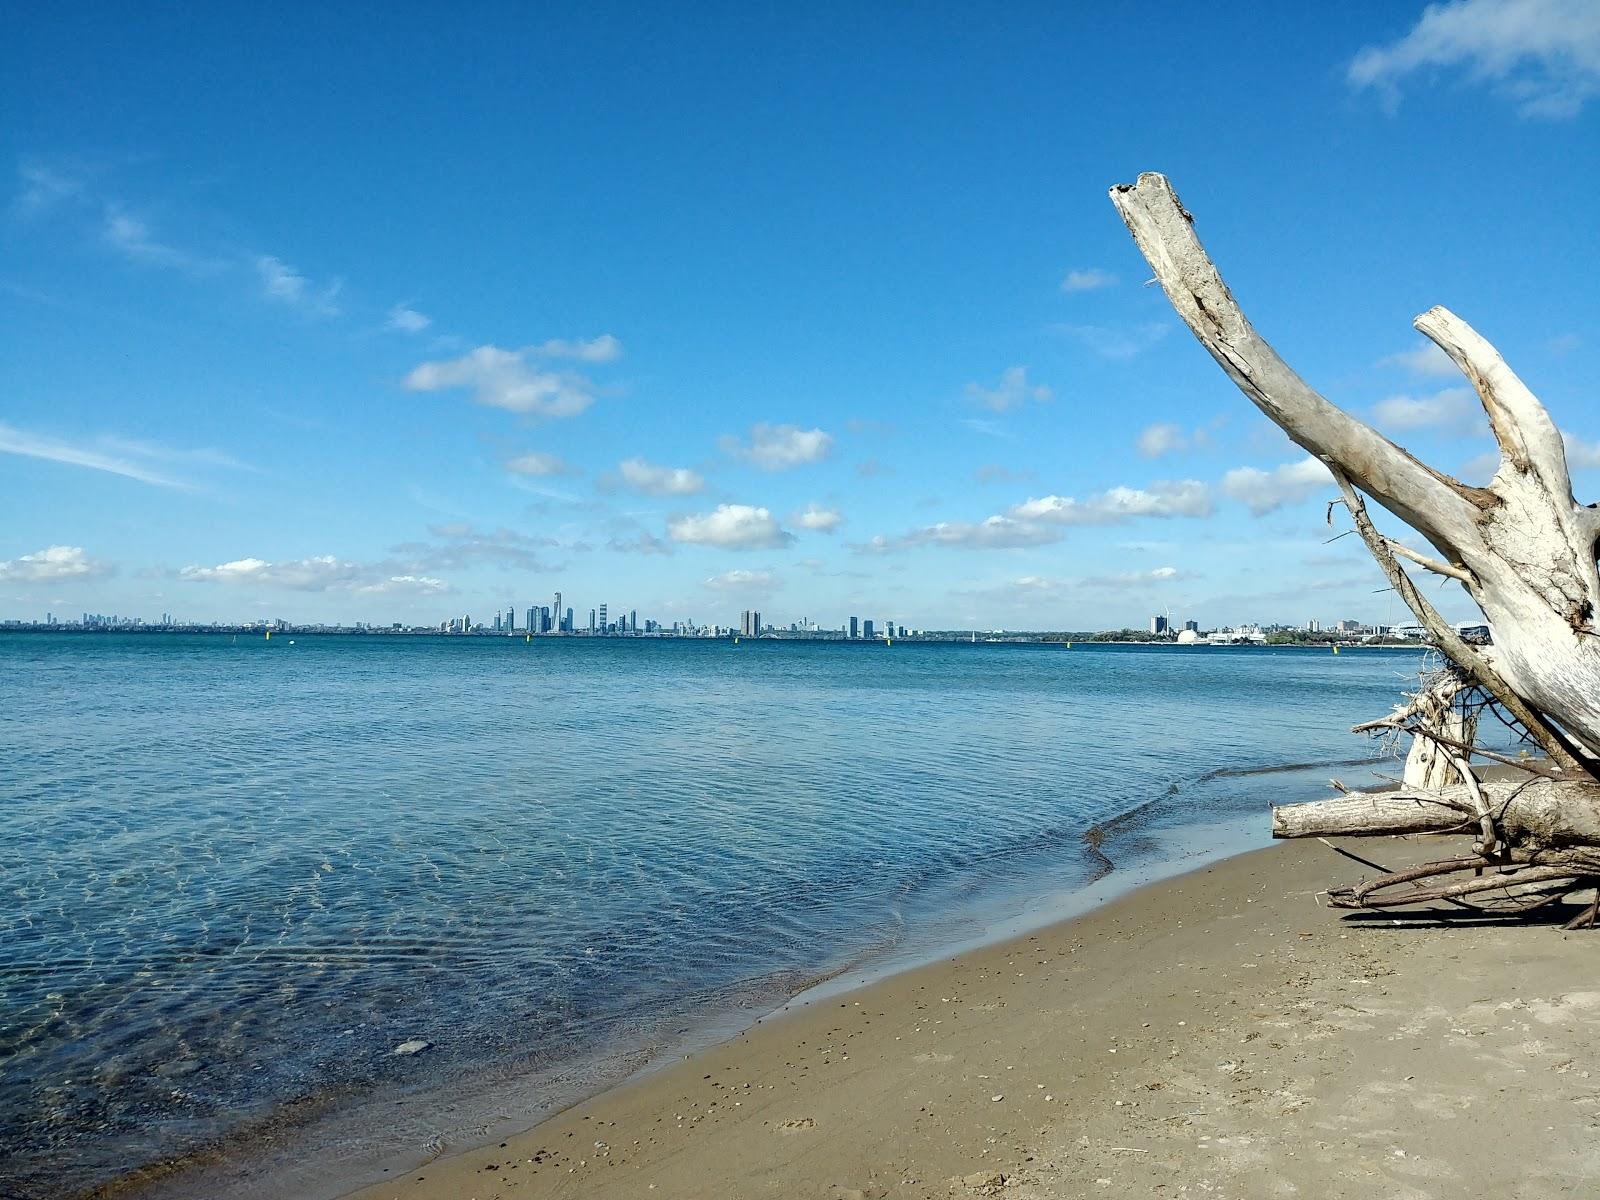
x,y
609,329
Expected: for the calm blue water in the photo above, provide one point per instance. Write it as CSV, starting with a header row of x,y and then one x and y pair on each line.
x,y
237,874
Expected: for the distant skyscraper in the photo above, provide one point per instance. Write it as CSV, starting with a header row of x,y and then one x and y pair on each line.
x,y
855,627
566,622
466,623
633,619
604,628
1158,624
532,618
866,628
1192,626
499,622
591,620
511,618
556,613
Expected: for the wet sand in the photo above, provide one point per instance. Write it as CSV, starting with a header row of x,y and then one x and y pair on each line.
x,y
1219,1035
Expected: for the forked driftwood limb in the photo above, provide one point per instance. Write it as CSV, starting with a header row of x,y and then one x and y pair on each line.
x,y
1522,548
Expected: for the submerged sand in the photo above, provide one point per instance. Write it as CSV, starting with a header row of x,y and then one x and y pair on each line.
x,y
1218,1035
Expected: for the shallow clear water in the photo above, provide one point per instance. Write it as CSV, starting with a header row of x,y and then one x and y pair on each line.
x,y
237,873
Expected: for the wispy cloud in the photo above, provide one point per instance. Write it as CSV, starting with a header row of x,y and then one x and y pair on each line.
x,y
998,532
1087,279
731,527
996,473
320,573
602,349
1013,391
1166,438
643,542
458,544
1136,579
742,582
1423,359
1454,411
54,564
1544,55
134,240
779,447
116,456
1266,491
652,480
538,464
1115,342
1580,453
404,319
282,283
507,379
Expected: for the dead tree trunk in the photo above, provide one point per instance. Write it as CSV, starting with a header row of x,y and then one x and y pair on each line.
x,y
1522,547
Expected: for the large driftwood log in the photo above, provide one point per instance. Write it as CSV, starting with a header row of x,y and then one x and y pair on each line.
x,y
1522,547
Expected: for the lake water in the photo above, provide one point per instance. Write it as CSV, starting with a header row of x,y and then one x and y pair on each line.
x,y
237,873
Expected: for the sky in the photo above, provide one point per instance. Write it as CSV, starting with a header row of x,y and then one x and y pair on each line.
x,y
392,313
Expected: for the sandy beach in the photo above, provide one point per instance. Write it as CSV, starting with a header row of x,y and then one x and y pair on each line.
x,y
1219,1034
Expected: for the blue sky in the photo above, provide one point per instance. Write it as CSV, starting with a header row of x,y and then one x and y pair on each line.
x,y
382,313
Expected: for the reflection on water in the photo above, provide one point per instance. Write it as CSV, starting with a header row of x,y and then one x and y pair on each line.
x,y
238,875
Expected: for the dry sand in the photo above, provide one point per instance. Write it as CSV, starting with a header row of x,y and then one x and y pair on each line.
x,y
1215,1035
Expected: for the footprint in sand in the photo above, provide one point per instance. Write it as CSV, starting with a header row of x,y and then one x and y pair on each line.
x,y
796,1125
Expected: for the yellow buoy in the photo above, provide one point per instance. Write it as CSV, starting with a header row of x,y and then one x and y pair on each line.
x,y
269,635
1336,649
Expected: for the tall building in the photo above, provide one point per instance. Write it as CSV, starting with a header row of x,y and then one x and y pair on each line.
x,y
511,618
556,612
466,624
633,619
591,620
1313,625
1192,626
604,628
566,622
855,627
866,629
533,619
1158,624
499,622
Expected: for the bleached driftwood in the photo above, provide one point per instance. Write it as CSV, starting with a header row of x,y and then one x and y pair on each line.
x,y
1522,547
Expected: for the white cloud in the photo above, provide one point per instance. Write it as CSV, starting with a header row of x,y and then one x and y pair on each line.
x,y
281,282
731,527
1161,438
1133,579
745,582
779,447
602,349
321,573
538,463
823,520
1543,54
1087,279
1266,491
1117,343
132,238
1423,359
44,187
994,533
1579,452
505,379
1013,391
407,320
653,480
33,445
1453,411
1164,498
54,564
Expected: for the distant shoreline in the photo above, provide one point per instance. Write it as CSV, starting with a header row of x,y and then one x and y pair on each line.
x,y
937,637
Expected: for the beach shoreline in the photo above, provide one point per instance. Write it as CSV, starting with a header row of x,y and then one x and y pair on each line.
x,y
1214,1033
